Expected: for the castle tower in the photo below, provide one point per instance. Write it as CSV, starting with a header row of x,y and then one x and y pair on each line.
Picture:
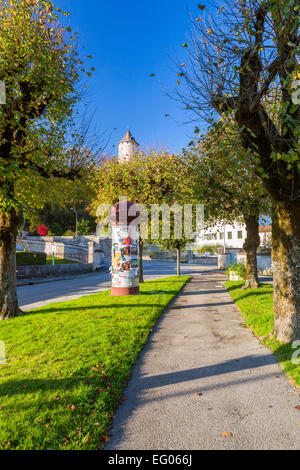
x,y
127,147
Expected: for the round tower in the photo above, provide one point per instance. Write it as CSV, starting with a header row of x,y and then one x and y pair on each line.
x,y
127,147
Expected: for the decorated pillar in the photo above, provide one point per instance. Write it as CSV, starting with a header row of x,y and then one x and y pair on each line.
x,y
125,250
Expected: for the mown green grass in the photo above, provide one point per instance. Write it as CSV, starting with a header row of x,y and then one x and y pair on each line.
x,y
67,365
256,306
60,261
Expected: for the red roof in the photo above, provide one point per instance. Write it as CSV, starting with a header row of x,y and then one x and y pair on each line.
x,y
266,228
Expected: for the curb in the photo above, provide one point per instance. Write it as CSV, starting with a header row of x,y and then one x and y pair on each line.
x,y
31,282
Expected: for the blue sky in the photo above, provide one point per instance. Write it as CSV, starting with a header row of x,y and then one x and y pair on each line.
x,y
128,41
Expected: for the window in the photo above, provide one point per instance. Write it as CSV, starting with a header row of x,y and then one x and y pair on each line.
x,y
240,234
208,236
229,235
221,236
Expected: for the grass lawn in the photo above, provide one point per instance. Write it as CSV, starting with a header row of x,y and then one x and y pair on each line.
x,y
60,261
68,363
256,306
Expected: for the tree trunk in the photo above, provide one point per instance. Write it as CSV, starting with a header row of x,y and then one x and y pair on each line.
x,y
8,282
250,246
178,252
286,263
141,269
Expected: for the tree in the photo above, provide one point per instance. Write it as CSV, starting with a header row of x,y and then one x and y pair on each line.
x,y
238,60
40,67
175,244
223,179
146,179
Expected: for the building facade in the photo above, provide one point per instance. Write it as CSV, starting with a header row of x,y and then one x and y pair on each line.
x,y
228,235
232,236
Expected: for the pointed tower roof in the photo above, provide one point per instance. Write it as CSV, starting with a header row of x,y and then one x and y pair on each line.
x,y
128,137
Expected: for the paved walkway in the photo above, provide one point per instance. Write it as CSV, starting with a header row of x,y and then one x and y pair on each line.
x,y
200,346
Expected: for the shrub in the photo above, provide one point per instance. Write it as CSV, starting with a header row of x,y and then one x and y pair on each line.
x,y
212,249
83,227
56,229
27,258
153,255
238,268
69,233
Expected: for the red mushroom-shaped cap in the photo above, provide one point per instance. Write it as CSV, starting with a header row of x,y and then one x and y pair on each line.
x,y
124,212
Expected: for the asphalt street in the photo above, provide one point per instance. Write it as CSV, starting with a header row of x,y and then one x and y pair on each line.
x,y
38,295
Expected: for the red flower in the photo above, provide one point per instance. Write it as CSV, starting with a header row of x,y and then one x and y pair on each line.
x,y
42,230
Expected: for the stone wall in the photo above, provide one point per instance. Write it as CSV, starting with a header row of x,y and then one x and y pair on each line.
x,y
205,261
85,249
35,272
264,262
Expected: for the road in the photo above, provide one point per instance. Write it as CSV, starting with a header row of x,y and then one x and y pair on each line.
x,y
38,295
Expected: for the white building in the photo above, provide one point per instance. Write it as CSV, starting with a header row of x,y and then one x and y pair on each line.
x,y
265,235
232,236
228,235
127,148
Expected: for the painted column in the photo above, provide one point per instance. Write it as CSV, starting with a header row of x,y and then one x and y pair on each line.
x,y
125,251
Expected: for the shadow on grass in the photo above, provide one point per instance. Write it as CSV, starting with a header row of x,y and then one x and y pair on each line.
x,y
90,307
25,386
262,290
118,304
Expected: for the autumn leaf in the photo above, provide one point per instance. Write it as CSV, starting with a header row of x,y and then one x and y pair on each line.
x,y
297,407
185,44
201,7
71,407
226,434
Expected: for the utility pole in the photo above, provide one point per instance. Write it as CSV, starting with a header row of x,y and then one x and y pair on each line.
x,y
76,230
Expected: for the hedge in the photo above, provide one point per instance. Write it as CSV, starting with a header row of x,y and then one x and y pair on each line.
x,y
26,258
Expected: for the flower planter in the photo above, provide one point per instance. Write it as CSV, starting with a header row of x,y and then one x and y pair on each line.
x,y
234,276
